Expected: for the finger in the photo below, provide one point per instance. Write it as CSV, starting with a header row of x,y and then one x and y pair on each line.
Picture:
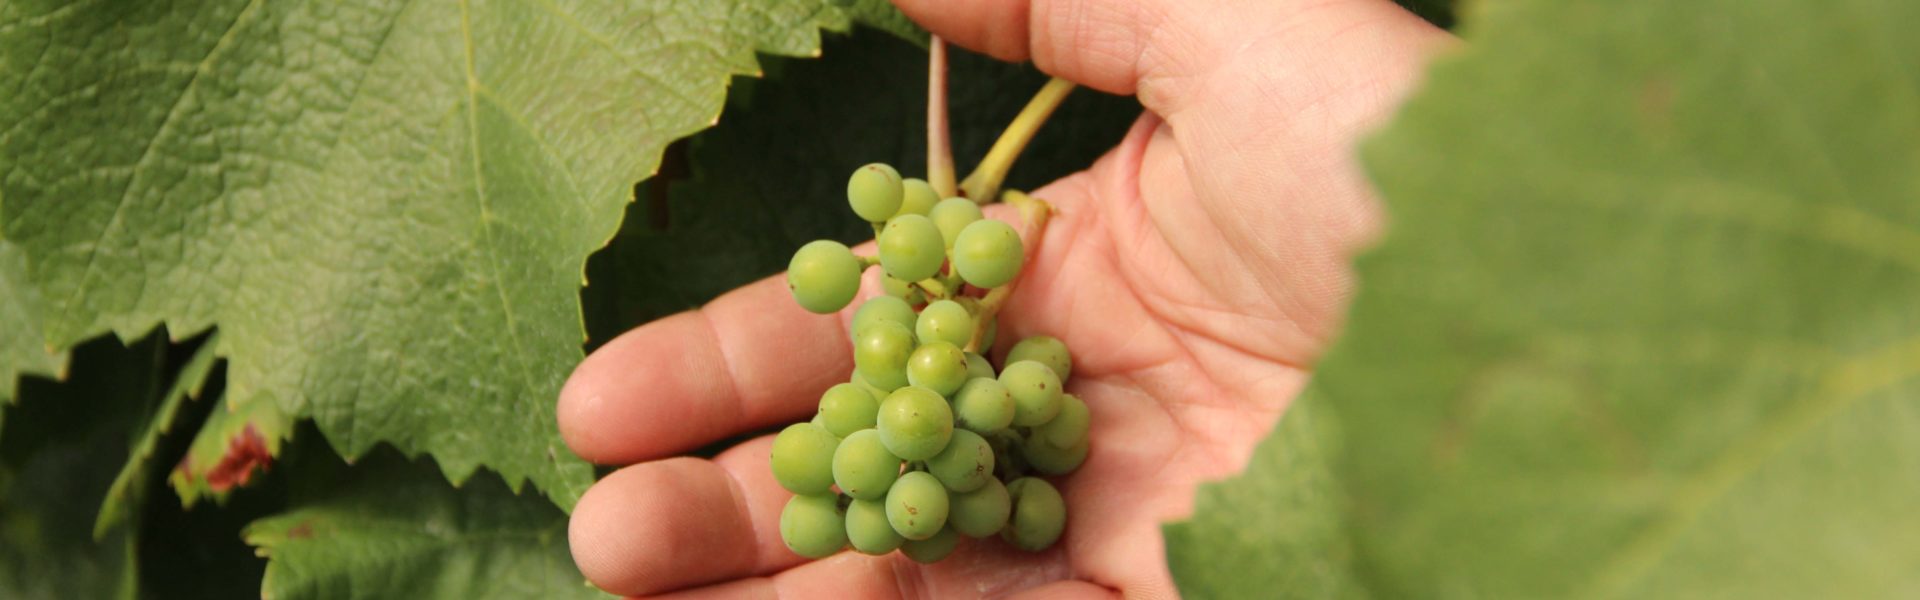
x,y
682,522
977,568
749,359
1067,590
1158,49
1114,34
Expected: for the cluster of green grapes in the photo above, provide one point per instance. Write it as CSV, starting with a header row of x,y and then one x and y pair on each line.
x,y
927,442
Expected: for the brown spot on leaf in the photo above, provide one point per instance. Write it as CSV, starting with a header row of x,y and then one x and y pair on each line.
x,y
300,532
244,453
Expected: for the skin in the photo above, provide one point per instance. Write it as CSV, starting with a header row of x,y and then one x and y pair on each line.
x,y
1196,271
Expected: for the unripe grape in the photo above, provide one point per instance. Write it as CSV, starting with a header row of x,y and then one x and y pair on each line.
x,y
982,512
1036,392
983,405
868,529
875,192
915,423
1049,459
1046,350
938,366
1039,514
978,367
823,276
846,408
944,321
953,215
813,526
1067,428
880,352
919,199
987,254
863,467
910,248
802,458
965,464
917,506
882,308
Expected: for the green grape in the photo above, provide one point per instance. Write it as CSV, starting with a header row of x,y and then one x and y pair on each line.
x,y
1050,459
965,464
880,352
847,408
868,529
1039,514
813,526
803,458
910,248
875,192
882,308
944,321
987,254
983,405
824,275
979,513
856,379
1067,428
863,467
953,215
818,420
917,506
938,366
1046,350
919,198
978,367
933,549
915,423
901,289
1036,392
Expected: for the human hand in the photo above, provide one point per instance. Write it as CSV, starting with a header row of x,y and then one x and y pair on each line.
x,y
1196,271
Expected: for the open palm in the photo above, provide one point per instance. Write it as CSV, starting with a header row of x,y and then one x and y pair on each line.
x,y
1195,271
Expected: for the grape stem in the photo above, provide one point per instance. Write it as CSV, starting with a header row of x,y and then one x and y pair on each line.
x,y
983,184
1034,214
933,288
939,144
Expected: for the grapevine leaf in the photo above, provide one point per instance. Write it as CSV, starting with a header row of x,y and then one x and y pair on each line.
x,y
233,446
386,206
124,495
22,349
800,133
1643,325
390,528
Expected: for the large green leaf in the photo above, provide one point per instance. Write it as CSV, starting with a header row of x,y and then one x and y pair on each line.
x,y
387,528
23,350
1645,321
385,206
772,175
